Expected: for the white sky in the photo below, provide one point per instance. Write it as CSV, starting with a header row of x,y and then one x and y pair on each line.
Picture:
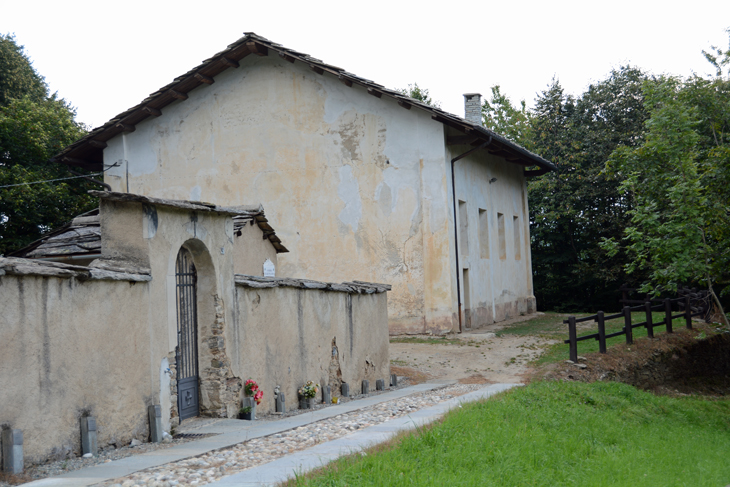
x,y
105,57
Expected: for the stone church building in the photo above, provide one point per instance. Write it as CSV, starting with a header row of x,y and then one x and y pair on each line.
x,y
363,182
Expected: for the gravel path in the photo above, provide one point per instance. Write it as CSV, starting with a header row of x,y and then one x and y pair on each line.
x,y
216,464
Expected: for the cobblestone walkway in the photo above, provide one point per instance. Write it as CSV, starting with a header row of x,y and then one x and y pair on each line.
x,y
217,464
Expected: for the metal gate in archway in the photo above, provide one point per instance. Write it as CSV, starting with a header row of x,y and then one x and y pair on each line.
x,y
186,352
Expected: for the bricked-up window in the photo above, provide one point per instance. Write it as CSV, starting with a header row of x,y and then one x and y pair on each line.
x,y
500,230
483,234
516,225
463,228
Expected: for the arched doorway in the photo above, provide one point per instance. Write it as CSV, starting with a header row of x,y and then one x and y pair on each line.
x,y
186,351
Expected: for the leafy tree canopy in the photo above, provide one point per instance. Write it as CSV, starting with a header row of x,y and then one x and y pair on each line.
x,y
500,116
420,94
18,78
33,128
679,179
574,208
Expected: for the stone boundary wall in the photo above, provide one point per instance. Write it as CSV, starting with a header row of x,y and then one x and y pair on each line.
x,y
26,267
83,341
295,330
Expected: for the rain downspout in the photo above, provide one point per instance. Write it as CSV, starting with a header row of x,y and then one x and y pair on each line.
x,y
456,224
126,161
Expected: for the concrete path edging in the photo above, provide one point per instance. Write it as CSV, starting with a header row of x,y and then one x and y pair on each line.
x,y
301,462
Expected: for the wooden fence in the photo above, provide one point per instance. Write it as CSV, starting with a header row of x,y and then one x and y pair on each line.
x,y
687,311
698,298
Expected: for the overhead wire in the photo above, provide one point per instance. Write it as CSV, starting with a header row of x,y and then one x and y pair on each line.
x,y
60,179
50,180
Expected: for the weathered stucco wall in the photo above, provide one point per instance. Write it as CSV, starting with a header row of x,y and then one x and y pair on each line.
x,y
250,251
288,336
496,256
70,348
356,186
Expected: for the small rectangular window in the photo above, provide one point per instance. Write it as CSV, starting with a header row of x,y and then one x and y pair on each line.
x,y
467,299
483,234
502,242
516,225
463,228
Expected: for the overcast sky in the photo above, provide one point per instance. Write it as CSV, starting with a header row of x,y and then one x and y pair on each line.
x,y
105,57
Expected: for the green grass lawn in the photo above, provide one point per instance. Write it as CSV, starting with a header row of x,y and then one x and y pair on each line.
x,y
555,434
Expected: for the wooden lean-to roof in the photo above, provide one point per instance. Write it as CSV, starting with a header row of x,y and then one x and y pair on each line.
x,y
87,152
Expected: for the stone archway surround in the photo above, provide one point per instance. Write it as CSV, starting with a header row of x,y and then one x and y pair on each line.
x,y
220,389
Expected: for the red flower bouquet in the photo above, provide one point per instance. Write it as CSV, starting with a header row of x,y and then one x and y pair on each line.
x,y
251,389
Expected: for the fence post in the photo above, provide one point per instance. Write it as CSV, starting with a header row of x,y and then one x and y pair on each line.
x,y
649,323
573,336
601,332
688,312
627,325
668,314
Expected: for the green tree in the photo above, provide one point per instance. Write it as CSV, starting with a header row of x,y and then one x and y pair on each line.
x,y
574,208
679,179
33,128
17,76
500,116
420,94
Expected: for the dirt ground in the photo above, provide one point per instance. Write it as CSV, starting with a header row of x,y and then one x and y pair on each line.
x,y
678,364
477,356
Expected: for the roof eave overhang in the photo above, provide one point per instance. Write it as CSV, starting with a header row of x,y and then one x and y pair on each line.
x,y
88,152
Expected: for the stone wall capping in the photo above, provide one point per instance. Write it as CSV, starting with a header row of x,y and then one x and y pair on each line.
x,y
119,266
180,204
117,276
386,287
30,267
354,287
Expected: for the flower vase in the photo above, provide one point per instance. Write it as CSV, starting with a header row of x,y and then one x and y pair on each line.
x,y
249,401
306,402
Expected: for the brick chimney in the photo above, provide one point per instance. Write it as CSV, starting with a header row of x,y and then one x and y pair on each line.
x,y
473,107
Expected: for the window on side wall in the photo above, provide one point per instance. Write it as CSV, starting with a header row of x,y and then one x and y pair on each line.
x,y
483,234
463,228
516,225
502,242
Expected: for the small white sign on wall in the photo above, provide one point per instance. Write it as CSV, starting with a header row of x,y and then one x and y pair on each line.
x,y
269,269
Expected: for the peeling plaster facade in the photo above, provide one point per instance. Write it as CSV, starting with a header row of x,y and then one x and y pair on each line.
x,y
360,186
